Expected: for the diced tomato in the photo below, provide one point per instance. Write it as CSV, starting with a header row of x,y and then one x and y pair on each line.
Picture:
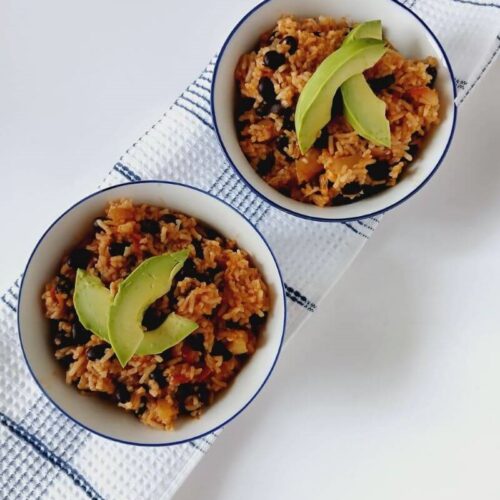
x,y
179,378
205,373
189,355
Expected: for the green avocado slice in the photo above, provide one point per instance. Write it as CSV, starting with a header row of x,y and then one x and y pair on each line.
x,y
174,329
314,105
370,29
92,301
148,282
364,111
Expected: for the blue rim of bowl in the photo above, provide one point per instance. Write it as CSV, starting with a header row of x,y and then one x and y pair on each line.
x,y
333,219
198,436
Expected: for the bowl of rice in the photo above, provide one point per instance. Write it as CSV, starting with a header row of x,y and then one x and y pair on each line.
x,y
265,65
227,286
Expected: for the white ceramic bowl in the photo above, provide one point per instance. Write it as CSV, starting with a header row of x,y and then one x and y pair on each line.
x,y
408,33
103,417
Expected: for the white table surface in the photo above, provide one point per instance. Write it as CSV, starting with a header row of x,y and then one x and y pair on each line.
x,y
392,390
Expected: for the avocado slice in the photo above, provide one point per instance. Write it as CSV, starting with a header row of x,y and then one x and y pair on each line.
x,y
174,329
92,301
314,106
364,111
148,282
370,29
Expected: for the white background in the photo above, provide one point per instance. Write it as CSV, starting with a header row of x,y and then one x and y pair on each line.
x,y
392,390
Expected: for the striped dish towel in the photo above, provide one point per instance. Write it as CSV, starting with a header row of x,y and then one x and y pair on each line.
x,y
42,453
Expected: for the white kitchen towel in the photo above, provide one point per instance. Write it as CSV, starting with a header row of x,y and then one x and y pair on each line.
x,y
45,455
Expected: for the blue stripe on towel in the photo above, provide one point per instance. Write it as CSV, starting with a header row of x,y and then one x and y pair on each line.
x,y
8,304
49,455
364,224
485,67
298,298
192,443
126,172
201,87
190,111
354,230
262,215
195,104
205,79
199,95
478,4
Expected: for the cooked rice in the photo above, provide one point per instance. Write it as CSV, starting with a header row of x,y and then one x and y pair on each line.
x,y
218,287
337,169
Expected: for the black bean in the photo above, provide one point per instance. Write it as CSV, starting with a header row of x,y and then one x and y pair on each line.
x,y
288,119
152,319
232,325
188,270
97,227
413,150
211,233
282,143
369,189
265,166
263,109
212,272
244,104
274,59
256,322
167,354
97,352
337,105
64,285
240,126
379,171
80,334
142,406
351,188
379,84
242,358
158,377
340,200
266,89
54,326
292,44
322,141
150,226
61,339
195,342
168,218
432,71
122,394
206,277
276,108
80,258
117,248
203,393
219,349
66,361
184,391
198,248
